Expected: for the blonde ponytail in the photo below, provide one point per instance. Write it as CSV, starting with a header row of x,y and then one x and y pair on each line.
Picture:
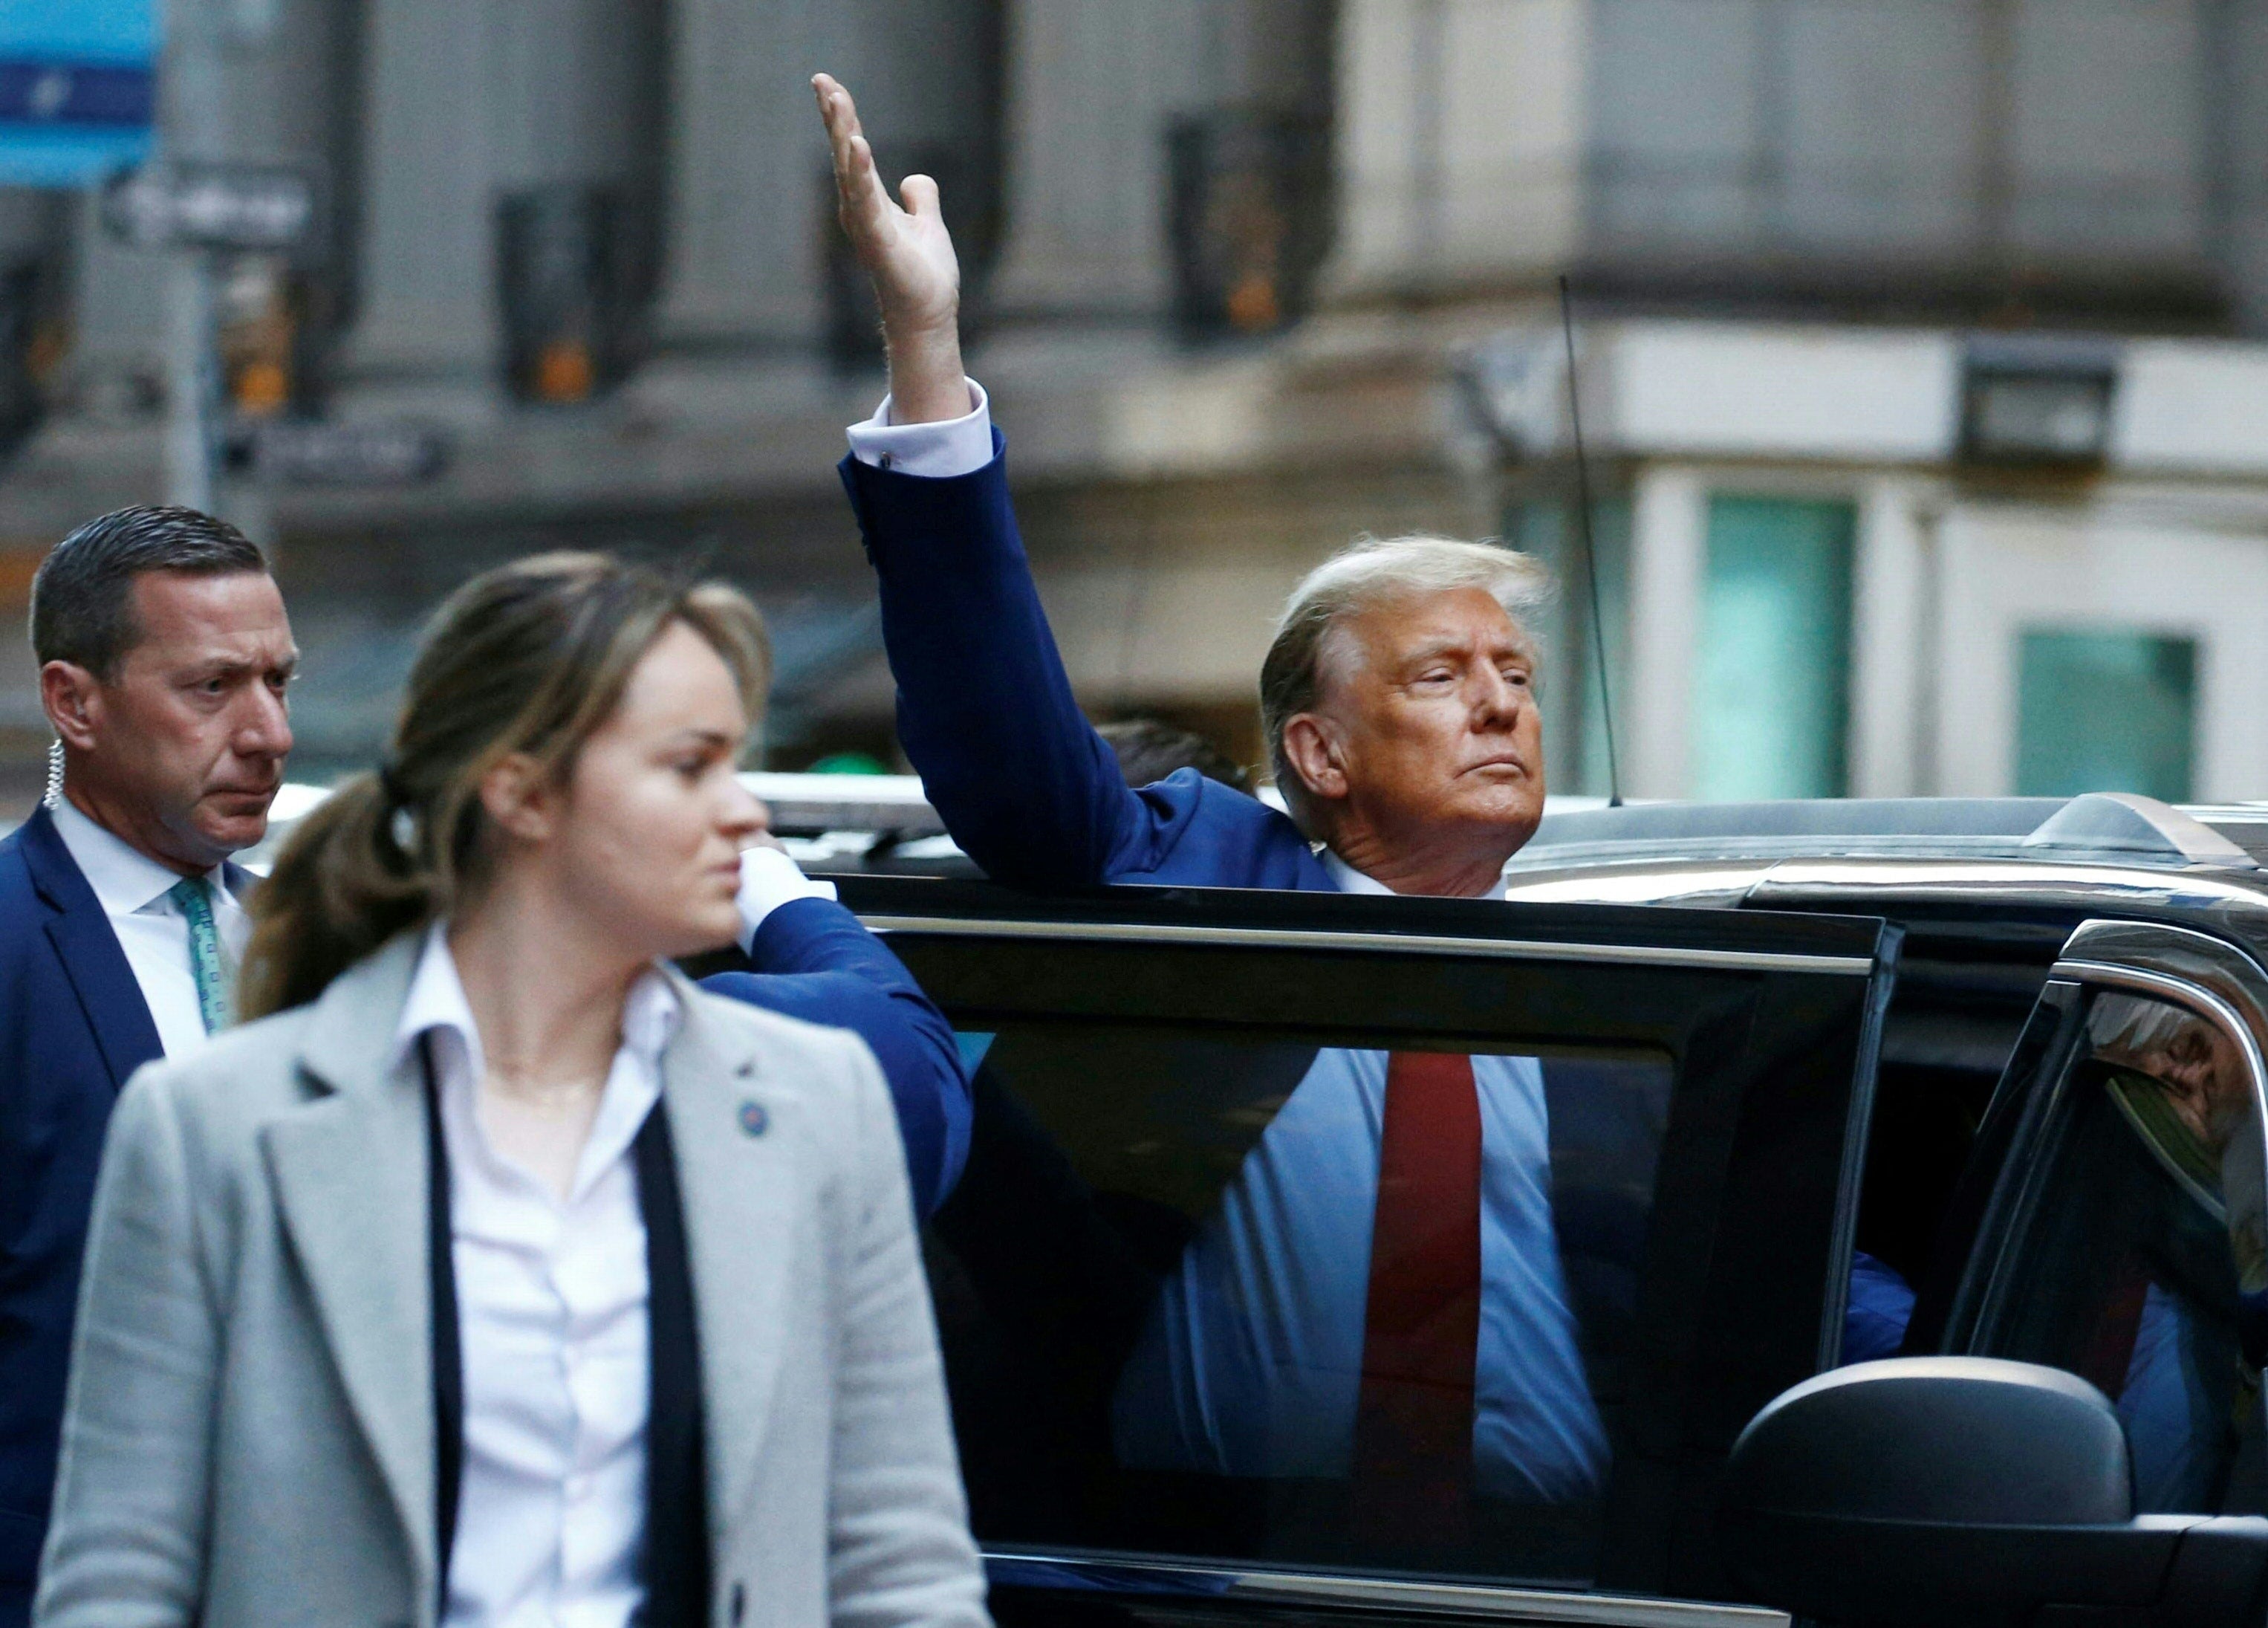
x,y
341,888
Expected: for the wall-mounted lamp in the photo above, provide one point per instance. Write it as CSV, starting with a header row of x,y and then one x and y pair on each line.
x,y
2035,401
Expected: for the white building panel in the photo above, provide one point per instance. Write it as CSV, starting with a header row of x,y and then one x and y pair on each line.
x,y
1737,391
2199,407
2013,569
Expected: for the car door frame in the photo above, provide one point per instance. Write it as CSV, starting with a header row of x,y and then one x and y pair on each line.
x,y
2207,975
909,912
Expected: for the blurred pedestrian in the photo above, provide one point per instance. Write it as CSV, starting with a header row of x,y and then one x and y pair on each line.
x,y
1149,751
454,1286
164,655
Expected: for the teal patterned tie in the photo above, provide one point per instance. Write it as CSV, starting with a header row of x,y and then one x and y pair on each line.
x,y
206,963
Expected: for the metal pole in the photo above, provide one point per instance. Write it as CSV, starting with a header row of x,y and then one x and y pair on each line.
x,y
188,380
193,127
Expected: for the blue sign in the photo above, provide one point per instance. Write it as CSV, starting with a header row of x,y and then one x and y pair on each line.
x,y
78,89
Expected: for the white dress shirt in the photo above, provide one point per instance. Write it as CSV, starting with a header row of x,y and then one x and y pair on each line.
x,y
938,451
551,1316
1216,1389
132,889
769,879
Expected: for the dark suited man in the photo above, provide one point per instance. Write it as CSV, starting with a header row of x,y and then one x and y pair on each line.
x,y
1401,1203
164,655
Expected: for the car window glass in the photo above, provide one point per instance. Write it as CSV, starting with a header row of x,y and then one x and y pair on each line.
x,y
2141,1266
1184,1313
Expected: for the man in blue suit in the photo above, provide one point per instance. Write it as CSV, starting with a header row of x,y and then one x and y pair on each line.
x,y
1382,1285
165,658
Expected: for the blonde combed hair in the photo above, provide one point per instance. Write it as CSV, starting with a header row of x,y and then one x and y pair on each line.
x,y
528,658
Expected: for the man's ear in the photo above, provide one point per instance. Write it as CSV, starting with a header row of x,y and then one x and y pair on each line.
x,y
1312,748
72,700
520,798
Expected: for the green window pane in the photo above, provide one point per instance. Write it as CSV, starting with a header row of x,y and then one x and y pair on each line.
x,y
1773,662
1574,717
2104,710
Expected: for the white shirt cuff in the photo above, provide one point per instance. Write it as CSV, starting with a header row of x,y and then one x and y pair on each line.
x,y
937,452
769,879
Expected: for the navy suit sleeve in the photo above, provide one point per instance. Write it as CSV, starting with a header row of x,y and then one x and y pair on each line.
x,y
985,711
1874,1317
816,963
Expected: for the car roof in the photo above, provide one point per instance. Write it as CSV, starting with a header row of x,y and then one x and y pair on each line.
x,y
2119,851
2098,828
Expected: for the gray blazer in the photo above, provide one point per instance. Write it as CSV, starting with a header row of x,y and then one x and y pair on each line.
x,y
250,1438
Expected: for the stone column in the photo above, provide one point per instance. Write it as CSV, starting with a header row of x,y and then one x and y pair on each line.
x,y
1669,526
1092,83
1460,142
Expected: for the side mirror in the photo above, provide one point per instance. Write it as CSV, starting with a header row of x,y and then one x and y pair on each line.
x,y
1944,1491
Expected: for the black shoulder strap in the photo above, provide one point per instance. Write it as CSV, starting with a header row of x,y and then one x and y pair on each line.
x,y
448,1353
676,1562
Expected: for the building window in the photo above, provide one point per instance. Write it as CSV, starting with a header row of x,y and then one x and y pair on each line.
x,y
2105,711
1773,663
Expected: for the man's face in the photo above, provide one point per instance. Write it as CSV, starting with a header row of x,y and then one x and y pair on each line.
x,y
181,751
1430,708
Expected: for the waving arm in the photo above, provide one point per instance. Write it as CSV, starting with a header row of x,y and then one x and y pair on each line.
x,y
907,251
985,709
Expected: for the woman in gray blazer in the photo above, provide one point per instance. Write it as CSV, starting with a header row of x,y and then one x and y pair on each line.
x,y
496,1274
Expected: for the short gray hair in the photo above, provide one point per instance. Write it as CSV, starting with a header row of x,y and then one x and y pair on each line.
x,y
82,604
1376,572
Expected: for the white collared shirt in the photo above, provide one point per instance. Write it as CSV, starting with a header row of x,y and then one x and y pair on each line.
x,y
939,450
132,889
551,1318
769,879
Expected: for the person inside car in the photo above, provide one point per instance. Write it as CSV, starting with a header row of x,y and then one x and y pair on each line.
x,y
1381,1288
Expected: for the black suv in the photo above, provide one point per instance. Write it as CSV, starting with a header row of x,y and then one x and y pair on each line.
x,y
1993,1068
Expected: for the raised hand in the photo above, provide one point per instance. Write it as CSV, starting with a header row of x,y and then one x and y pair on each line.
x,y
907,251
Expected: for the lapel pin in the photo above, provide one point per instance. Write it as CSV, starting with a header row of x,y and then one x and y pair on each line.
x,y
753,1120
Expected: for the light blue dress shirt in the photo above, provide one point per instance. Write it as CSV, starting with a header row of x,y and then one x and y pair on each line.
x,y
1251,1364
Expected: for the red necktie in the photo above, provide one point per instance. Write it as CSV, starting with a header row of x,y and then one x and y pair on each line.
x,y
1421,1325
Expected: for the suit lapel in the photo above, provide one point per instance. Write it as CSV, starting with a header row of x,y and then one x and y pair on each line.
x,y
741,1193
87,945
351,1174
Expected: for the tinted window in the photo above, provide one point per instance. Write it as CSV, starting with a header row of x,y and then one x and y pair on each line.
x,y
1170,1330
1148,1280
2139,1263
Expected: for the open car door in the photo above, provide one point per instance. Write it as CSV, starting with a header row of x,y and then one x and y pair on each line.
x,y
1156,1284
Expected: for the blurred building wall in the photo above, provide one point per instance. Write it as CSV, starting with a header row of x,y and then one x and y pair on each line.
x,y
1235,266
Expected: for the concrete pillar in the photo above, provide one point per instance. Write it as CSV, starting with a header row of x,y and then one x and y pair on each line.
x,y
428,303
1460,138
1669,526
747,196
1888,644
467,102
1092,83
745,145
